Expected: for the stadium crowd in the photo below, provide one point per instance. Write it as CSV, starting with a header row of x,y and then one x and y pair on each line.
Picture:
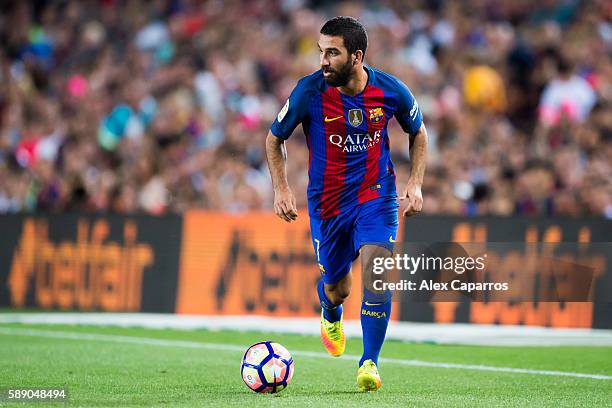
x,y
161,106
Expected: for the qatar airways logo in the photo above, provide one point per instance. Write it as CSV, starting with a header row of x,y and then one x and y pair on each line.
x,y
357,142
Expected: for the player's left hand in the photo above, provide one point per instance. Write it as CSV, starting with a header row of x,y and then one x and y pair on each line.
x,y
411,200
284,204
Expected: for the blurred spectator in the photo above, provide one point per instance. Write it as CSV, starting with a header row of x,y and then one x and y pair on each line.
x,y
483,88
161,106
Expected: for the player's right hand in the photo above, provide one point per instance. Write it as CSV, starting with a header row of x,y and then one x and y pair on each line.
x,y
284,205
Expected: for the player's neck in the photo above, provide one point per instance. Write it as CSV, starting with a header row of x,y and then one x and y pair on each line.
x,y
356,84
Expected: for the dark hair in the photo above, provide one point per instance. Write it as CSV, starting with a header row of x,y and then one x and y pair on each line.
x,y
564,66
351,30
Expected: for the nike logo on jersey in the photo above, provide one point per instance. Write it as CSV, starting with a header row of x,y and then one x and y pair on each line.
x,y
391,239
332,119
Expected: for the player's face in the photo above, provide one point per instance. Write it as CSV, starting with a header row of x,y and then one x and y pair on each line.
x,y
336,62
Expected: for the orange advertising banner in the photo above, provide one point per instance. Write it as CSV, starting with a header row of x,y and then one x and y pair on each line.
x,y
89,263
251,264
255,264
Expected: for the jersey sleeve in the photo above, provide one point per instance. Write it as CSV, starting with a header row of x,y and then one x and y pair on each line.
x,y
408,113
292,114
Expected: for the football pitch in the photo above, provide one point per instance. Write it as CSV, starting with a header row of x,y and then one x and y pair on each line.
x,y
121,367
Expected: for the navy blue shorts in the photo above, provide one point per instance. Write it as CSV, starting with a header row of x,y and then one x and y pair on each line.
x,y
337,240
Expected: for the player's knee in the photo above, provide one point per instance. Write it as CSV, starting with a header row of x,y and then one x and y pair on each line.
x,y
373,256
339,295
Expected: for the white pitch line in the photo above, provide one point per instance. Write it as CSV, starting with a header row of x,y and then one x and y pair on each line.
x,y
455,333
313,354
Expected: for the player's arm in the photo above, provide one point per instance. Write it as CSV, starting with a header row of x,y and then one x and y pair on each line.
x,y
410,119
292,113
418,157
284,200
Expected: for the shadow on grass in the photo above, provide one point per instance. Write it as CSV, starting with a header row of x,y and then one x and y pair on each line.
x,y
307,393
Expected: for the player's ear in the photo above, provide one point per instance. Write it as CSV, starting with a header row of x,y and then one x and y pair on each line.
x,y
358,57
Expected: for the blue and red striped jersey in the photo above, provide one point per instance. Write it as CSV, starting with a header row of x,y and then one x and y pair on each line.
x,y
349,160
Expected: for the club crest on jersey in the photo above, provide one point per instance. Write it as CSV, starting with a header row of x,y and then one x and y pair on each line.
x,y
355,117
375,115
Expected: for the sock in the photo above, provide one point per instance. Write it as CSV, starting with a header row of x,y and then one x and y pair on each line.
x,y
331,313
374,322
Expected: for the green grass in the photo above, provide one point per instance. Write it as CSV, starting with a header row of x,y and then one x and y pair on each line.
x,y
100,373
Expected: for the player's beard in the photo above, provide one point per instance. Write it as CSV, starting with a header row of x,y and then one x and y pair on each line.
x,y
339,77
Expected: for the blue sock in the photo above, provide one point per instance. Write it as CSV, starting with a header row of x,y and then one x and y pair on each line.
x,y
374,322
331,313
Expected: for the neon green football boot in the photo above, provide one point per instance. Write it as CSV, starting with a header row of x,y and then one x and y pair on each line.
x,y
368,378
332,336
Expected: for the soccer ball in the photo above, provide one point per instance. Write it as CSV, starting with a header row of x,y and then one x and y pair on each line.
x,y
267,367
